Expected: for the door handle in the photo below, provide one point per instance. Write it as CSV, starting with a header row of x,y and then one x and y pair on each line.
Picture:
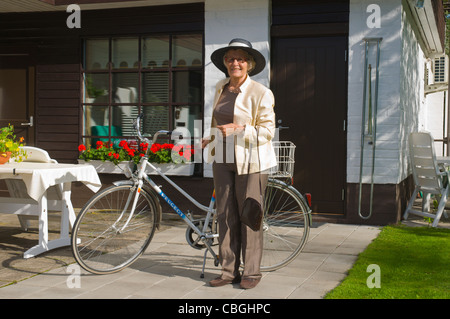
x,y
29,123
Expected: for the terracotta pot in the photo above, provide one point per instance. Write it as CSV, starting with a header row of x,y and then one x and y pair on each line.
x,y
4,157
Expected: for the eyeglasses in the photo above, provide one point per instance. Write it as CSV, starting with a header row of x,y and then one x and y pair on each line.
x,y
239,60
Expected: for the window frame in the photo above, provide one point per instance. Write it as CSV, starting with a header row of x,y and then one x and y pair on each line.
x,y
171,70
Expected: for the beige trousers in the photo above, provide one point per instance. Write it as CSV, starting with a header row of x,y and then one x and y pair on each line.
x,y
235,237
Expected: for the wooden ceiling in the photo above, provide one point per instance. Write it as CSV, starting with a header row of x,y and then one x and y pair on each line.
x,y
7,6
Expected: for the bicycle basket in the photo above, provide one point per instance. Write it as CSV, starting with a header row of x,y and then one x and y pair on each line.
x,y
285,153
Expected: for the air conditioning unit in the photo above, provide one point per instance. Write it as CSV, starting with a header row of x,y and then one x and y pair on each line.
x,y
440,67
437,75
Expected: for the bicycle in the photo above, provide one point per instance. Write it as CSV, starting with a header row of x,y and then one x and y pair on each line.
x,y
116,225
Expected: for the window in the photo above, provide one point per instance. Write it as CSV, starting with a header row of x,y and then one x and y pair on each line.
x,y
160,76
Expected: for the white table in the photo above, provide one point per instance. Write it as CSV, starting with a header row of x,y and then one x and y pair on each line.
x,y
38,178
443,159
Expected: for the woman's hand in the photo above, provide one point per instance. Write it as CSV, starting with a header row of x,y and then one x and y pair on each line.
x,y
205,141
230,128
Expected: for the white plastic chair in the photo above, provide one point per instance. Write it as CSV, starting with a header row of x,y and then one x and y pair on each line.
x,y
17,188
429,177
37,155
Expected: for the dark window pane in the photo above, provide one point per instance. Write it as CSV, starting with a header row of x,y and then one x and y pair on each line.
x,y
156,118
187,86
155,52
155,87
96,88
187,50
125,53
97,54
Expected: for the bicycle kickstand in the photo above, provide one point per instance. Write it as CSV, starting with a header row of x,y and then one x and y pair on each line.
x,y
216,259
202,275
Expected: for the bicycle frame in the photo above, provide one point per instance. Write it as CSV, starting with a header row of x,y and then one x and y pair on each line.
x,y
142,176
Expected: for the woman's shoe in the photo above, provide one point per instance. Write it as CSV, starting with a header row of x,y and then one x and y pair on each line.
x,y
249,283
219,282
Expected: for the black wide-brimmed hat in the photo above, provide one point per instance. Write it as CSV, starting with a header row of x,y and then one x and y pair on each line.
x,y
235,44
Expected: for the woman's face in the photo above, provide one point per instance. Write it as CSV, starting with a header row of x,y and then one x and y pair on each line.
x,y
236,63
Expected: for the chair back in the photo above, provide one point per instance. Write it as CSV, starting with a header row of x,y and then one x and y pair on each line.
x,y
38,155
17,187
423,160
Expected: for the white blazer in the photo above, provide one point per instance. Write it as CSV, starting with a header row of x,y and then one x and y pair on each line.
x,y
253,109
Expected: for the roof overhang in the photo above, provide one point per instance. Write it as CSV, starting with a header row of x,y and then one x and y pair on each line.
x,y
10,6
428,24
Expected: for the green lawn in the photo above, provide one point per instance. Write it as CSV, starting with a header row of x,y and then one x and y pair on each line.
x,y
414,263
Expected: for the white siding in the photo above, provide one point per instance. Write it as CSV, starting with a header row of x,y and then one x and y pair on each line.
x,y
412,92
389,113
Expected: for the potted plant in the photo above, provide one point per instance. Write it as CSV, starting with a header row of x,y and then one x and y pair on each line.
x,y
106,158
92,91
10,146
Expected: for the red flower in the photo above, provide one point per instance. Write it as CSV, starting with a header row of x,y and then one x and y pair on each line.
x,y
167,146
187,154
81,148
123,144
155,147
116,156
144,146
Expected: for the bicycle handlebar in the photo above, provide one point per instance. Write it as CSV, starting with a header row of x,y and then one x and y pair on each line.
x,y
136,125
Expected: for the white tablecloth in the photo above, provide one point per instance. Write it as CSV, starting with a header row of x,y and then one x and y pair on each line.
x,y
38,177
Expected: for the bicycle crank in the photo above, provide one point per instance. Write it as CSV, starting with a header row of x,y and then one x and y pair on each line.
x,y
194,239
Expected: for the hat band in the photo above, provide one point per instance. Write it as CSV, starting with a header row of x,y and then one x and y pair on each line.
x,y
239,44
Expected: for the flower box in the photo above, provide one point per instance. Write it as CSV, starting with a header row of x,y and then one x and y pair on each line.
x,y
107,167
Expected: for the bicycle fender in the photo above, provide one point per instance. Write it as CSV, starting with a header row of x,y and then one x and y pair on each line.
x,y
124,182
151,193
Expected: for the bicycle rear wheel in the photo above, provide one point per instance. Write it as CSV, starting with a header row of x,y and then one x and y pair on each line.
x,y
285,225
100,242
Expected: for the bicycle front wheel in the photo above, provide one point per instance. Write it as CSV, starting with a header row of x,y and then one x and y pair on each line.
x,y
285,225
105,238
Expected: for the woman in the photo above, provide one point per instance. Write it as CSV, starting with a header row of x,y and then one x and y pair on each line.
x,y
240,149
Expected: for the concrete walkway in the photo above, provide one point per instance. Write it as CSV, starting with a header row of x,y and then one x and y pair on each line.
x,y
170,269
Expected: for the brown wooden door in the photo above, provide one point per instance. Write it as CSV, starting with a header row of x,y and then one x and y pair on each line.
x,y
17,95
309,81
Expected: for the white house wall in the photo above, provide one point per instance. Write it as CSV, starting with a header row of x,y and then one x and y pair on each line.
x,y
400,95
389,115
434,118
412,97
225,20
